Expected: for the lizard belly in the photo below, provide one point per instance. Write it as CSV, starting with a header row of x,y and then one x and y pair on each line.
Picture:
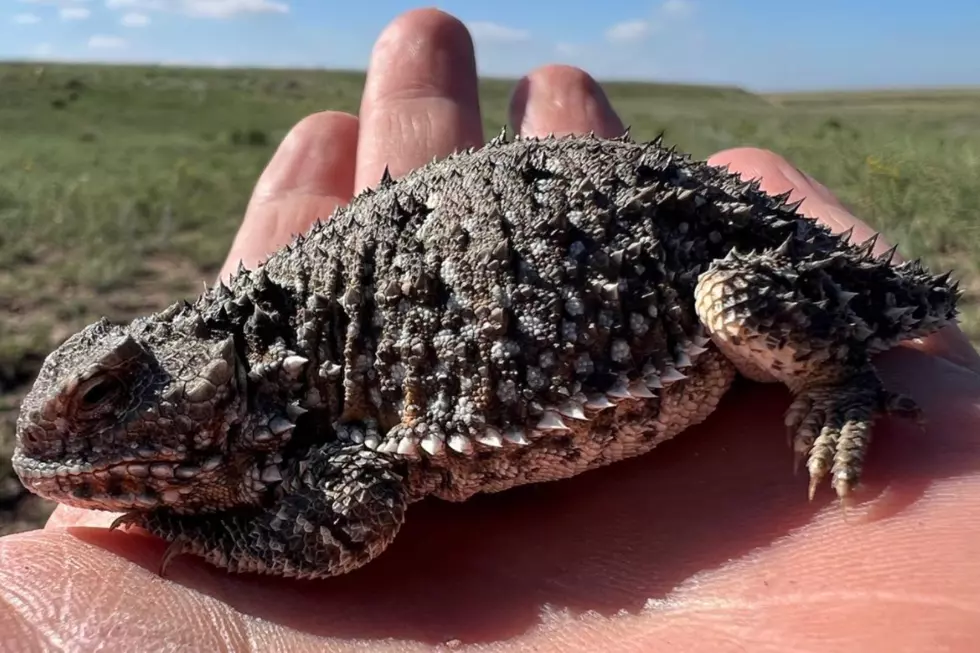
x,y
628,427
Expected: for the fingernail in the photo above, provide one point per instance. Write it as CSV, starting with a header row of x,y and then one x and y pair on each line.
x,y
779,175
429,50
562,100
805,182
313,158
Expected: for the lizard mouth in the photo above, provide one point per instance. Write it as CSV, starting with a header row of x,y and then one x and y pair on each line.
x,y
122,485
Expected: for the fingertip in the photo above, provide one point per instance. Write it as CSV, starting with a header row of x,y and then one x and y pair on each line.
x,y
419,29
316,157
68,516
308,177
561,100
421,96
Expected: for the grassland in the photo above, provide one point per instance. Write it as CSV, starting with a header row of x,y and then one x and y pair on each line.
x,y
122,187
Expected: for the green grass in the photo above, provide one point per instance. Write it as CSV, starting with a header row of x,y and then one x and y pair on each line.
x,y
123,186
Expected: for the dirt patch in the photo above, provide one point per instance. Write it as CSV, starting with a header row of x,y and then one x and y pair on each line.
x,y
19,509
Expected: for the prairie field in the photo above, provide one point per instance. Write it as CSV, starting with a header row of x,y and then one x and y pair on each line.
x,y
122,187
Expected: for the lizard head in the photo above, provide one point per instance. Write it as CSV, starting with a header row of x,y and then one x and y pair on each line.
x,y
134,417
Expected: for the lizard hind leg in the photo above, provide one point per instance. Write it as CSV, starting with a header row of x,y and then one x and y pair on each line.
x,y
782,322
331,512
830,424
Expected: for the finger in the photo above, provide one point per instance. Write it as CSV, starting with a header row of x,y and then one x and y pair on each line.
x,y
777,175
67,516
420,98
562,100
68,586
311,173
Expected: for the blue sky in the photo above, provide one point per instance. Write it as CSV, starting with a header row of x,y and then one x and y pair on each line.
x,y
757,44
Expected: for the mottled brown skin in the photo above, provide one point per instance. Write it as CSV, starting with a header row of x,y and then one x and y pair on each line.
x,y
515,314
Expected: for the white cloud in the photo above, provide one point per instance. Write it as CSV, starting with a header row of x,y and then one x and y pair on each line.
x,y
133,19
678,8
42,50
204,8
59,3
226,8
26,19
74,13
567,49
497,33
666,14
136,4
629,31
102,42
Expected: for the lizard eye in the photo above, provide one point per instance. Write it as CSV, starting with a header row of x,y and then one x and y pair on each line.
x,y
99,391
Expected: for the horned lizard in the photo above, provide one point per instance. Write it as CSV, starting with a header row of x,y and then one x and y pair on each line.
x,y
518,313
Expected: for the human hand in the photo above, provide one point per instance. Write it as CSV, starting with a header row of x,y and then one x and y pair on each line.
x,y
708,543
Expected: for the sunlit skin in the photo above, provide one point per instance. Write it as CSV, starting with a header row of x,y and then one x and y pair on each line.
x,y
707,544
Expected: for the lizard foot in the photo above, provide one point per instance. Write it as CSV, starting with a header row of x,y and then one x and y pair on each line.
x,y
781,317
335,509
830,425
176,547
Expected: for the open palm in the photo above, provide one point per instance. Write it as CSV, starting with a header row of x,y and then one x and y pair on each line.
x,y
707,544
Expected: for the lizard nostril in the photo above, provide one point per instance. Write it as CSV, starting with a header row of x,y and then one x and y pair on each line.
x,y
33,436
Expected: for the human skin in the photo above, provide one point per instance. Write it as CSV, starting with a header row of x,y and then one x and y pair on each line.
x,y
706,544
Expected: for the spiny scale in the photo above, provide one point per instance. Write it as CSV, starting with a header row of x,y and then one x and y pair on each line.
x,y
513,314
442,230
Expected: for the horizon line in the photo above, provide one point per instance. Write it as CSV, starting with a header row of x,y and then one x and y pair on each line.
x,y
492,77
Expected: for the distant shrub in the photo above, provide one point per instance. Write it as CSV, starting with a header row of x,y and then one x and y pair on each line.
x,y
834,127
250,137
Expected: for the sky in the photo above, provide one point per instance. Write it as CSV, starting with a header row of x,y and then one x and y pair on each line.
x,y
761,45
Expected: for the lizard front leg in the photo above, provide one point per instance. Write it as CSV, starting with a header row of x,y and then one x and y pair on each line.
x,y
334,510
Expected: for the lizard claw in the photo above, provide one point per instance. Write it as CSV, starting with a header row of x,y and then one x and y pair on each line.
x,y
176,548
126,519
